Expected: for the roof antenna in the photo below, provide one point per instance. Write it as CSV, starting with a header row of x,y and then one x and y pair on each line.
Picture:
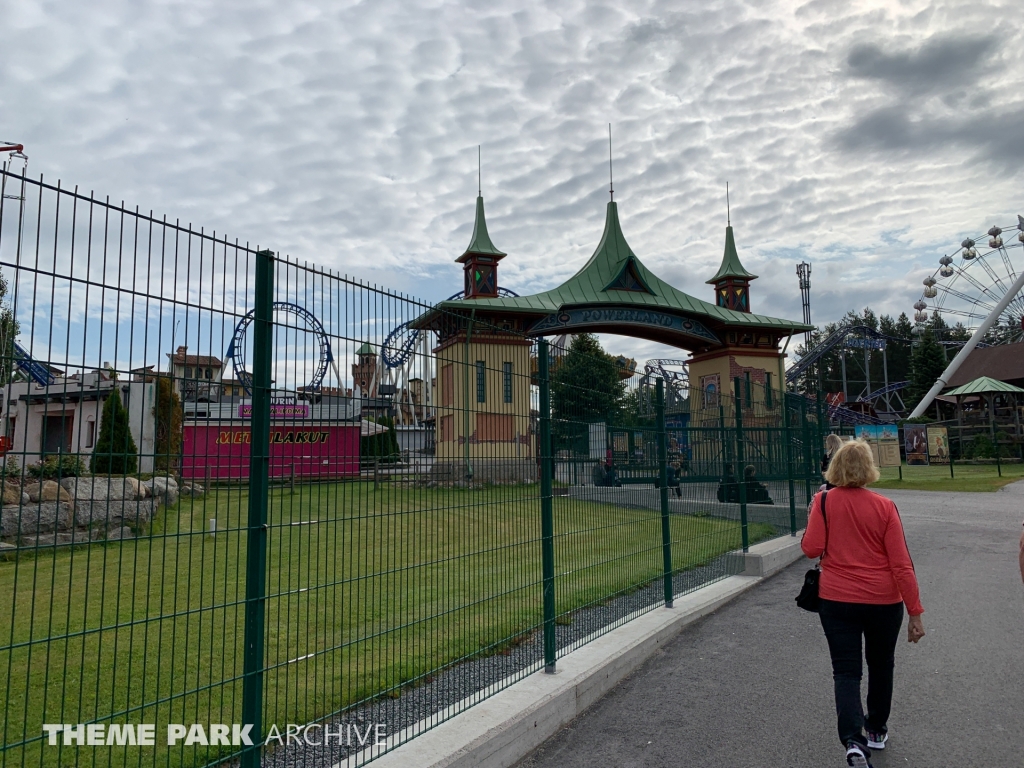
x,y
611,183
728,213
479,185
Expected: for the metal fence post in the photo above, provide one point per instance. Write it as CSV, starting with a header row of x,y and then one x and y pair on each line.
x,y
547,523
256,538
666,531
739,465
788,437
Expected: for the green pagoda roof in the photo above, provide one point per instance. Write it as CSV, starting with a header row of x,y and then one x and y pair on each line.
x,y
615,276
985,385
480,243
365,349
731,266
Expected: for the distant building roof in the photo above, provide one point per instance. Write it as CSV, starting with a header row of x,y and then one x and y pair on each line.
x,y
1004,362
180,358
365,349
983,385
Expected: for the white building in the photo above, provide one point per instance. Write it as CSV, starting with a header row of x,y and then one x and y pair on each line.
x,y
198,376
65,416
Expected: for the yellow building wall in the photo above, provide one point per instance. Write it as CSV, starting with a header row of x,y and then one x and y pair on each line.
x,y
494,428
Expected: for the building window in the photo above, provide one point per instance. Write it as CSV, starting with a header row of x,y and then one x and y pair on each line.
x,y
447,385
209,373
90,433
768,389
506,381
481,381
749,397
188,372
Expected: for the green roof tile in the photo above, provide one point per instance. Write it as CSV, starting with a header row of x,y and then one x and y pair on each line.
x,y
480,243
365,349
731,266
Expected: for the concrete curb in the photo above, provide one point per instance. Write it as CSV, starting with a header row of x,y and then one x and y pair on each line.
x,y
502,729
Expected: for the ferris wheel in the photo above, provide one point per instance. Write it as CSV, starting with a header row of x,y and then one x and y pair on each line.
x,y
969,286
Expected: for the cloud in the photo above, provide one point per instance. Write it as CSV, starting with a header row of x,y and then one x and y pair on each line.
x,y
345,134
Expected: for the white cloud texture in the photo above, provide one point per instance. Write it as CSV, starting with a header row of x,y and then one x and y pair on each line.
x,y
867,138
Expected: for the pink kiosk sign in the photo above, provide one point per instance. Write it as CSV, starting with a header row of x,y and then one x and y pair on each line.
x,y
317,448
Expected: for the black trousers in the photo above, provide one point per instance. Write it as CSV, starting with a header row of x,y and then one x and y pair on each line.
x,y
845,624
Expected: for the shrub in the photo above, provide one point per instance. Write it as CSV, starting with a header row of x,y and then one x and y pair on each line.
x,y
11,469
115,452
383,446
54,467
167,413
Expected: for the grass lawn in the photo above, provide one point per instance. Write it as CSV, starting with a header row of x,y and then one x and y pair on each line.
x,y
369,591
967,477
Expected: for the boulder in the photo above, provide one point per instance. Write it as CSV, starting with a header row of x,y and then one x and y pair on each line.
x,y
192,490
114,512
101,488
12,493
47,490
33,519
164,490
74,536
7,551
24,498
124,532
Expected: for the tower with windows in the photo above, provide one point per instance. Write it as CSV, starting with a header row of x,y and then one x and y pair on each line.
x,y
732,281
480,261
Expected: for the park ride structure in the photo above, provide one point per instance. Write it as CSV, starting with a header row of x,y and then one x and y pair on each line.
x,y
983,289
237,351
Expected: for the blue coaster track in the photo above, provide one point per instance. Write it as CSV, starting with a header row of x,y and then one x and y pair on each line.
x,y
236,349
399,345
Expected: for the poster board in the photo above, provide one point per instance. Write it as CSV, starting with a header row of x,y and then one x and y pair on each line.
x,y
938,445
884,442
915,440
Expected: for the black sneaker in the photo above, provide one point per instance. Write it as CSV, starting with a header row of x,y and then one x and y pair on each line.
x,y
855,757
877,740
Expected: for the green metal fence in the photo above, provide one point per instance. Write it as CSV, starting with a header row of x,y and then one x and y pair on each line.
x,y
246,499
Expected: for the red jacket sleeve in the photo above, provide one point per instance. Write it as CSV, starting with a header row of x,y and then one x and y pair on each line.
x,y
900,563
813,542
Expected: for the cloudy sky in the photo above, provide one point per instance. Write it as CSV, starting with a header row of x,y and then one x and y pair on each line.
x,y
865,137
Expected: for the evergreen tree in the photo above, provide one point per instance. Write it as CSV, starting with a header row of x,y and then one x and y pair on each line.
x,y
115,452
8,333
167,416
585,385
927,364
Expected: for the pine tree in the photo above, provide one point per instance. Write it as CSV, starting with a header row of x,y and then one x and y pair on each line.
x,y
927,364
115,452
167,416
585,385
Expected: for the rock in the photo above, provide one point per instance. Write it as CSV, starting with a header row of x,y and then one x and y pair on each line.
x,y
25,499
124,532
114,512
101,488
12,494
33,519
75,536
192,490
7,551
164,489
47,490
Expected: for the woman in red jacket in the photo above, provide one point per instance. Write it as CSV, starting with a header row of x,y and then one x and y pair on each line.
x,y
867,577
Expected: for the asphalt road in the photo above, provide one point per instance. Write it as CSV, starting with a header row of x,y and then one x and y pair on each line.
x,y
751,685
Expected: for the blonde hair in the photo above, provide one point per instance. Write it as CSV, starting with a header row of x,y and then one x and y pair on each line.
x,y
832,443
852,465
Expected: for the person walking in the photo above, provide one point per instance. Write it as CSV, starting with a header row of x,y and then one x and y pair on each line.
x,y
832,443
867,577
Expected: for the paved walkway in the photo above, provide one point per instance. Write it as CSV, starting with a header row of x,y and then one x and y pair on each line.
x,y
751,685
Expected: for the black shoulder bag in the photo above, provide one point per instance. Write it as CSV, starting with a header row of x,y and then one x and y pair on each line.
x,y
808,598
